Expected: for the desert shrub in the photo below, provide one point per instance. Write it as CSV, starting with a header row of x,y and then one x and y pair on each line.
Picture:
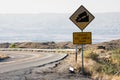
x,y
109,69
96,67
94,56
107,66
91,54
116,51
116,58
12,46
87,53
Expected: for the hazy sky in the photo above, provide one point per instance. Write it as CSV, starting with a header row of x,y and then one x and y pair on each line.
x,y
57,6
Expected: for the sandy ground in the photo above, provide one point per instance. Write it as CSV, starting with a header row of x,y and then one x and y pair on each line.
x,y
54,71
3,56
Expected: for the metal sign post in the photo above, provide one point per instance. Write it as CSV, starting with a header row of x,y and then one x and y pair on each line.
x,y
76,53
82,57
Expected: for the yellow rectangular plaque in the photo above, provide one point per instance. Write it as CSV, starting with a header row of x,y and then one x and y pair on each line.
x,y
82,38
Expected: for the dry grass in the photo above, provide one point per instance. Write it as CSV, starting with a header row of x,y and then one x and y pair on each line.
x,y
72,62
115,78
93,67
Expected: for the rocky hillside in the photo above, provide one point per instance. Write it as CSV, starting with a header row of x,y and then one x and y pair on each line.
x,y
4,45
43,45
114,44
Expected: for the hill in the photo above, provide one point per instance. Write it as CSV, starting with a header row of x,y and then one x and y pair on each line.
x,y
114,44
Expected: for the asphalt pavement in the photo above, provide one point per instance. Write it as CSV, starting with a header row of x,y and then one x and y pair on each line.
x,y
25,60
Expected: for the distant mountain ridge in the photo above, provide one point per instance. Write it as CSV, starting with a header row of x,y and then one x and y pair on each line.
x,y
114,44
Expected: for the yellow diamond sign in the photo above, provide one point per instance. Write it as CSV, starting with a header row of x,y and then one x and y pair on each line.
x,y
82,17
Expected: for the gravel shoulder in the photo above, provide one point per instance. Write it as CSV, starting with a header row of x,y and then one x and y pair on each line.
x,y
3,56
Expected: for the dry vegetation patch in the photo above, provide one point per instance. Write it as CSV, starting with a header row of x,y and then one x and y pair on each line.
x,y
3,56
99,64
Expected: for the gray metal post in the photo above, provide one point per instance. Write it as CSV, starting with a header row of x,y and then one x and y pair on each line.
x,y
82,57
76,53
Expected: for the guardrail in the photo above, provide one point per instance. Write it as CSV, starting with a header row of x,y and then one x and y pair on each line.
x,y
40,50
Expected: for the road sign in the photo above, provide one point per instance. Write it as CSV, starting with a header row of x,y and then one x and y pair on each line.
x,y
82,38
82,17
